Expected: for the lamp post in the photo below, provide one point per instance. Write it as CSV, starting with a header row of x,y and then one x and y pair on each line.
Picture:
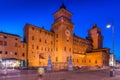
x,y
111,25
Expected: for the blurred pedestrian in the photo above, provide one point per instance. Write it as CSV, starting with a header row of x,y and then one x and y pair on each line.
x,y
41,71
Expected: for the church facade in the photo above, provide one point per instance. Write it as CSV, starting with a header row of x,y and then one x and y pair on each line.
x,y
60,43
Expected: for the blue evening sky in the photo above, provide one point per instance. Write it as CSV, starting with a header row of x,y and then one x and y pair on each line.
x,y
14,14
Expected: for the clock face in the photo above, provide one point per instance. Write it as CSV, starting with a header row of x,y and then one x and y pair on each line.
x,y
67,32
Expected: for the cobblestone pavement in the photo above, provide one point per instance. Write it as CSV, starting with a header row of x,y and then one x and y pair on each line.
x,y
63,75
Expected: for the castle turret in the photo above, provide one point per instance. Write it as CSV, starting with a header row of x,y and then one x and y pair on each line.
x,y
95,35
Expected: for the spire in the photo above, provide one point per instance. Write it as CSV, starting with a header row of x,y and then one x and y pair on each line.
x,y
94,25
62,6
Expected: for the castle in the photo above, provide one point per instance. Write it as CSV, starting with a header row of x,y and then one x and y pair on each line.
x,y
60,43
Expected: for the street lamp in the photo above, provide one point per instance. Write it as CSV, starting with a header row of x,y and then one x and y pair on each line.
x,y
111,25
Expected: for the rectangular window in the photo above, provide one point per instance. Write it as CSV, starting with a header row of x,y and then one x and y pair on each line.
x,y
64,48
0,52
45,41
67,59
15,53
95,61
37,47
56,35
23,54
6,52
1,42
32,37
56,49
89,61
40,40
56,59
70,50
32,46
15,44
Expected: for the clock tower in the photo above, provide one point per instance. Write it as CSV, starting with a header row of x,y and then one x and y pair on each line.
x,y
63,29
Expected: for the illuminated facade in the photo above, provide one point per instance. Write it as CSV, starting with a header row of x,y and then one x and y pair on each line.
x,y
12,50
60,43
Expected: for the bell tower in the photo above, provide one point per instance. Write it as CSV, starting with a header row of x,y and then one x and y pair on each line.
x,y
63,28
95,35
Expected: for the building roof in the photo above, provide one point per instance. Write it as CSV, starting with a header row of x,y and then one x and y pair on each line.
x,y
9,34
